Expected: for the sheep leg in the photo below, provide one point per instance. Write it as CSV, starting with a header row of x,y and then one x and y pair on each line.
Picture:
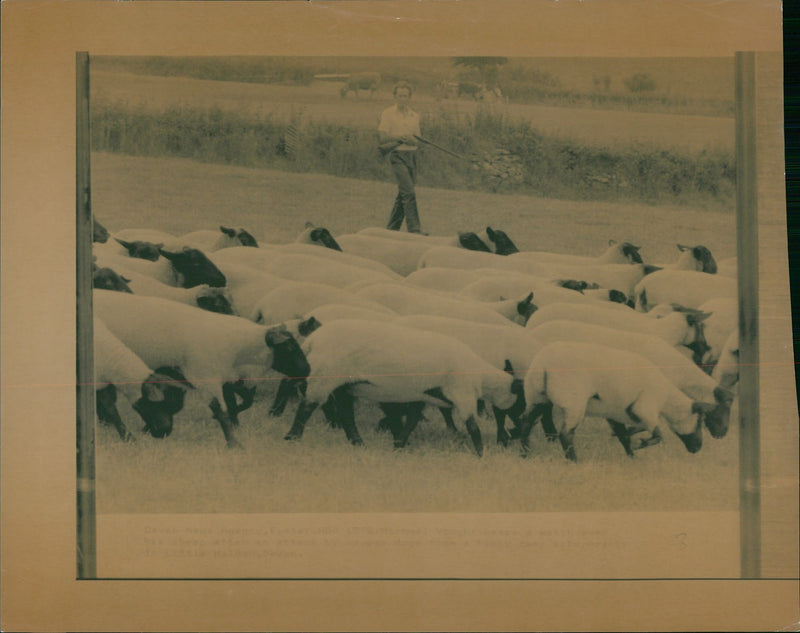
x,y
475,433
302,415
549,427
393,419
285,390
229,396
500,419
568,421
224,422
247,394
331,411
526,424
106,400
413,416
345,407
621,433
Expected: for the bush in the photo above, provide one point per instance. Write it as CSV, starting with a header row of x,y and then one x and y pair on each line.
x,y
640,82
551,167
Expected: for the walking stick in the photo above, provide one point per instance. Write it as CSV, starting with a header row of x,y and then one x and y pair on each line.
x,y
439,147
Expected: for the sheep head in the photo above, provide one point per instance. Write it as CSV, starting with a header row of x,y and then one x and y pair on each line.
x,y
502,243
195,268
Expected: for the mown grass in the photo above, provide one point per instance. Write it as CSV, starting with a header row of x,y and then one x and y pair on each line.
x,y
552,166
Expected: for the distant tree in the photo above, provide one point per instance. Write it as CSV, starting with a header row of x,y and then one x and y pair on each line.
x,y
487,67
640,82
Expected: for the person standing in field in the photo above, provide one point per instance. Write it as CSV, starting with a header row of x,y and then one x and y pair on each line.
x,y
398,127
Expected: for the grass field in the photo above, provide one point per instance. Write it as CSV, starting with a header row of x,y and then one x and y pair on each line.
x,y
191,471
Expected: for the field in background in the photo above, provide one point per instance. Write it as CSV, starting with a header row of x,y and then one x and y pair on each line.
x,y
191,471
571,153
678,85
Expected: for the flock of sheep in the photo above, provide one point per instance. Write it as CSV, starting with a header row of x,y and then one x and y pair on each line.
x,y
467,324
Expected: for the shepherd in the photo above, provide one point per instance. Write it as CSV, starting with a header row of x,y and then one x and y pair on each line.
x,y
398,132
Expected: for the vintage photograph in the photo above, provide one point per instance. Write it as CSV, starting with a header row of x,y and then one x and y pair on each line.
x,y
384,285
396,316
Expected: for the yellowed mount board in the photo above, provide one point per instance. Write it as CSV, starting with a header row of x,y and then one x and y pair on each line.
x,y
331,571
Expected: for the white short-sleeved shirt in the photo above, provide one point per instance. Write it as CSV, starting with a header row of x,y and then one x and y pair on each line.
x,y
395,123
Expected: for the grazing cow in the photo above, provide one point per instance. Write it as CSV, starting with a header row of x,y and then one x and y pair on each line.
x,y
362,81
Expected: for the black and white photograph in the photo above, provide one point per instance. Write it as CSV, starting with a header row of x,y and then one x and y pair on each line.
x,y
411,315
398,285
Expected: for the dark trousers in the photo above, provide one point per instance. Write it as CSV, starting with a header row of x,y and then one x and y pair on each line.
x,y
404,166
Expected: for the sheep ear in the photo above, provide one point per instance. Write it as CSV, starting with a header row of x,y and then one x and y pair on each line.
x,y
490,232
305,328
127,245
649,269
125,279
693,318
508,367
229,232
683,247
169,255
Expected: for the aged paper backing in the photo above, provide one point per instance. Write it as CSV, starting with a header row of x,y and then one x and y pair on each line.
x,y
39,589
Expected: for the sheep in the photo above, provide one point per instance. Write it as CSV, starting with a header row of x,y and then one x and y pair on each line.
x,y
100,233
202,296
247,286
265,255
507,349
209,241
581,379
440,278
726,371
109,279
489,241
318,236
622,277
214,351
697,258
386,363
624,253
406,300
683,328
293,300
688,288
117,367
681,371
496,288
185,269
400,256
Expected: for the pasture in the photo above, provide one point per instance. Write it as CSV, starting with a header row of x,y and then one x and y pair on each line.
x,y
192,472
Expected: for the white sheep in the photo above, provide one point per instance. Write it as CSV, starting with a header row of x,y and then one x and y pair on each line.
x,y
386,363
261,257
622,277
489,240
617,253
293,300
443,279
116,366
685,287
496,288
697,258
209,241
717,328
337,311
589,379
185,269
677,328
213,351
726,371
405,300
507,349
202,296
400,256
687,376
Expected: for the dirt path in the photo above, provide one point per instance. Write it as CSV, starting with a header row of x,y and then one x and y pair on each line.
x,y
321,100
